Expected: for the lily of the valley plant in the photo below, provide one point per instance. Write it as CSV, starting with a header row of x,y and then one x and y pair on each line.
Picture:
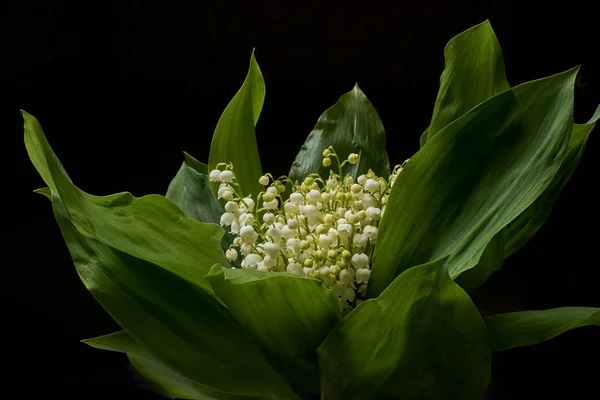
x,y
345,279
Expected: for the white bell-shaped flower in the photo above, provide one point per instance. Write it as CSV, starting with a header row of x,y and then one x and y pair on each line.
x,y
360,260
231,254
248,234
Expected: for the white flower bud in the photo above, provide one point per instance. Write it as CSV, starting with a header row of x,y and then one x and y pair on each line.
x,y
325,197
340,212
226,176
314,195
248,234
215,175
275,233
222,189
360,260
348,294
293,244
252,260
235,227
324,241
344,229
310,211
371,185
287,232
262,267
360,240
368,200
347,275
355,188
373,213
331,183
349,181
231,206
263,180
246,219
292,223
270,261
227,219
231,254
291,208
362,275
227,195
271,205
249,202
362,179
269,218
271,249
370,231
245,249
294,268
297,198
273,190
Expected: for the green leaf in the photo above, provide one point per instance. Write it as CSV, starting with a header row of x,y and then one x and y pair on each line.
x,y
490,261
151,228
474,178
288,315
422,338
199,166
161,377
234,139
526,328
190,332
474,72
191,192
351,126
45,191
522,229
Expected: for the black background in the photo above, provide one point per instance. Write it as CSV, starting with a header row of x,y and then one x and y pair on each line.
x,y
122,88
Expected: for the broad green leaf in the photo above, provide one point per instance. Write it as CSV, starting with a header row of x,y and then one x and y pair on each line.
x,y
422,338
522,229
288,315
490,261
351,126
190,190
179,324
480,173
199,166
474,72
525,328
161,377
234,139
151,228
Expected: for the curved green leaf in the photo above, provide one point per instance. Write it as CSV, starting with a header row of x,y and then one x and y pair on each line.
x,y
474,72
161,377
190,332
526,328
190,190
475,177
522,229
234,139
351,126
288,315
490,261
422,338
45,191
151,228
199,166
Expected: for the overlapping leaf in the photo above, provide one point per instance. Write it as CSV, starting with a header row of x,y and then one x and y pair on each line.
x,y
161,377
179,324
422,338
234,139
150,228
522,229
525,328
473,178
288,315
474,72
351,126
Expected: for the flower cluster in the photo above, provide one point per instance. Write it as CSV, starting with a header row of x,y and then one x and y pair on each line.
x,y
324,229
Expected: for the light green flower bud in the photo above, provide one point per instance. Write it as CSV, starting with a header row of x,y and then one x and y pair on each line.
x,y
353,158
326,162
